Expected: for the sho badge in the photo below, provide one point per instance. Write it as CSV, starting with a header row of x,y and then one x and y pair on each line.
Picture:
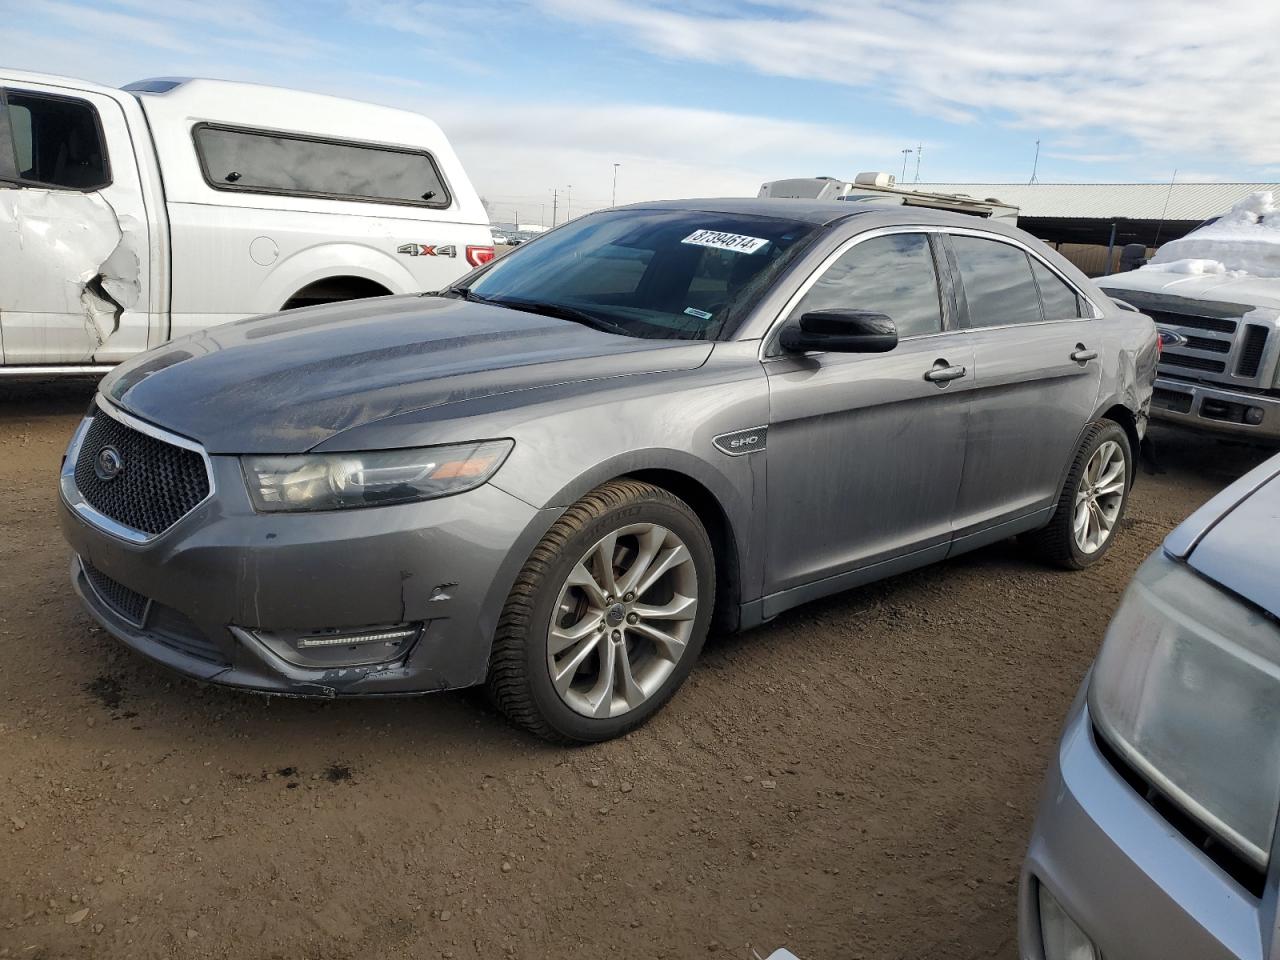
x,y
108,464
742,441
427,250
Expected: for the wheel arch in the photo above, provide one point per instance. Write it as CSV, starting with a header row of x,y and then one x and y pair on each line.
x,y
337,288
719,528
1119,413
724,507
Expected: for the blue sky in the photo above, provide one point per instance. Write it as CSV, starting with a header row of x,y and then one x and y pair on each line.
x,y
706,97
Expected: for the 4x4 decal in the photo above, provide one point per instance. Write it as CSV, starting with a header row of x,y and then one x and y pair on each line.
x,y
427,250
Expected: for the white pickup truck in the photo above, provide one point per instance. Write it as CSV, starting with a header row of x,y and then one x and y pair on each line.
x,y
131,216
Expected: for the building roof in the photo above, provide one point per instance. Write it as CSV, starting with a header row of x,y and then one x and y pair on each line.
x,y
1108,201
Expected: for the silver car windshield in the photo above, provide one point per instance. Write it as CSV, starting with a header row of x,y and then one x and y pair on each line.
x,y
668,274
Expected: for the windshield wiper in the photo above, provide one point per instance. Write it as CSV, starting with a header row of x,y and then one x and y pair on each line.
x,y
559,311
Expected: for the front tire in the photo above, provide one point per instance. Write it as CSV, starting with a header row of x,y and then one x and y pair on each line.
x,y
1092,501
607,616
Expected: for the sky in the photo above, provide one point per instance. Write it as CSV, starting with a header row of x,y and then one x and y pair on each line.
x,y
712,98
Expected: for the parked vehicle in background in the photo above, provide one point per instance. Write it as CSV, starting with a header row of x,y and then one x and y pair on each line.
x,y
880,189
1156,831
132,216
1215,295
557,473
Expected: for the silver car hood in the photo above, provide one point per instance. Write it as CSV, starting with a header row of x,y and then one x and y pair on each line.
x,y
1234,539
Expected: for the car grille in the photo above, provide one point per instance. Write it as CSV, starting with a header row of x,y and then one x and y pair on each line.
x,y
160,623
1192,363
1255,341
158,485
129,604
1215,324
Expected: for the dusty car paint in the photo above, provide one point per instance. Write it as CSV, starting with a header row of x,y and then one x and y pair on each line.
x,y
583,408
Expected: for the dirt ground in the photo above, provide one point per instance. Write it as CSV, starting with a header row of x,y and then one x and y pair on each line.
x,y
855,780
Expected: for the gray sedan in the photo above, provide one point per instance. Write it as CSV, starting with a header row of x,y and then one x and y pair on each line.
x,y
1156,836
556,476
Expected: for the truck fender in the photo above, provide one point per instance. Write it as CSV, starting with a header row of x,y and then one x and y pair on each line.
x,y
326,260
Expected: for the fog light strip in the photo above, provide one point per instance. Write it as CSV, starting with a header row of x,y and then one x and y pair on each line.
x,y
353,639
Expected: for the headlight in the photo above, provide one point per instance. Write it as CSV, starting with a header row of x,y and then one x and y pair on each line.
x,y
335,481
1187,689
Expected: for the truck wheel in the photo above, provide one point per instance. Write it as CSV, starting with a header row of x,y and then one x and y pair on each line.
x,y
607,617
1092,500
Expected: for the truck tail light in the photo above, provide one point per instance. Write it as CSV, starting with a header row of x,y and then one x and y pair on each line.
x,y
478,256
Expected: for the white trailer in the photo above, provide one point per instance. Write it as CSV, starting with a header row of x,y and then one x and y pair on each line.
x,y
882,188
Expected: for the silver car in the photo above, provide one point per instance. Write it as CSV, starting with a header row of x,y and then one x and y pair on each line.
x,y
1156,834
557,475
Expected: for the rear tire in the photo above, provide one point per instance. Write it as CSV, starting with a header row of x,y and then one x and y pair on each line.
x,y
1092,501
587,650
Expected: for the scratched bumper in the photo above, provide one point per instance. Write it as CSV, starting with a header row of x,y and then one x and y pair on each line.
x,y
223,572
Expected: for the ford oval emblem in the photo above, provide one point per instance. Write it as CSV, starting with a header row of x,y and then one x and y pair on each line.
x,y
108,464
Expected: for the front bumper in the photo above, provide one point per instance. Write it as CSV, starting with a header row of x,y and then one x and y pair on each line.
x,y
223,573
1219,409
1133,884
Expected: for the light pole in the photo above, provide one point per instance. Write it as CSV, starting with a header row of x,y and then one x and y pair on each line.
x,y
555,203
568,201
614,201
905,153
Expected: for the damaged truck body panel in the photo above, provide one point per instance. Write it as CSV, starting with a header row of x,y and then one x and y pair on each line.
x,y
131,216
75,229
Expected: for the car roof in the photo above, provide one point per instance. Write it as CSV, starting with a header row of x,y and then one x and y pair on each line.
x,y
821,212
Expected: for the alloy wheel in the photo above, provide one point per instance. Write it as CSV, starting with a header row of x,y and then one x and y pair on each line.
x,y
622,620
1099,497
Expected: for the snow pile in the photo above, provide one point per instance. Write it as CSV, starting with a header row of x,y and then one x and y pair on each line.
x,y
1198,268
1244,242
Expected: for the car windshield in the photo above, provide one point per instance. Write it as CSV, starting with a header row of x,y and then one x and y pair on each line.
x,y
664,274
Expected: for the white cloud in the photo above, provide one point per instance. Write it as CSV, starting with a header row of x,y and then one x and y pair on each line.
x,y
664,151
1180,76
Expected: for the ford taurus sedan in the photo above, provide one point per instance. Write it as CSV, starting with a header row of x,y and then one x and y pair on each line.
x,y
557,475
1157,830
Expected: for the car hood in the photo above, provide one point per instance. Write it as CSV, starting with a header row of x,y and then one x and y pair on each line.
x,y
1248,291
1232,540
286,382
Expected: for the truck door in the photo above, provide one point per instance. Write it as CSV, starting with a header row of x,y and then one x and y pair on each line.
x,y
75,262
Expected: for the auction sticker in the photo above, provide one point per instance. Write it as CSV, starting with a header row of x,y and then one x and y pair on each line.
x,y
725,241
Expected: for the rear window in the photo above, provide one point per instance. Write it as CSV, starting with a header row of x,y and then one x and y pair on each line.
x,y
997,282
52,141
268,162
1059,299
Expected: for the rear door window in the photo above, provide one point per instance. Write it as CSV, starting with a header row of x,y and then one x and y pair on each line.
x,y
997,282
1060,300
268,162
52,141
893,275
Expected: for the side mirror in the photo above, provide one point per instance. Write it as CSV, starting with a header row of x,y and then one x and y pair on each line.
x,y
841,331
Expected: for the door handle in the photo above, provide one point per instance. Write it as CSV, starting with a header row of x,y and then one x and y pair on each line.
x,y
942,374
1081,354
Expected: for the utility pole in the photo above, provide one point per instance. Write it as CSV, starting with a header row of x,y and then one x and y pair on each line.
x,y
568,200
614,201
542,216
906,151
1035,164
919,154
555,201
